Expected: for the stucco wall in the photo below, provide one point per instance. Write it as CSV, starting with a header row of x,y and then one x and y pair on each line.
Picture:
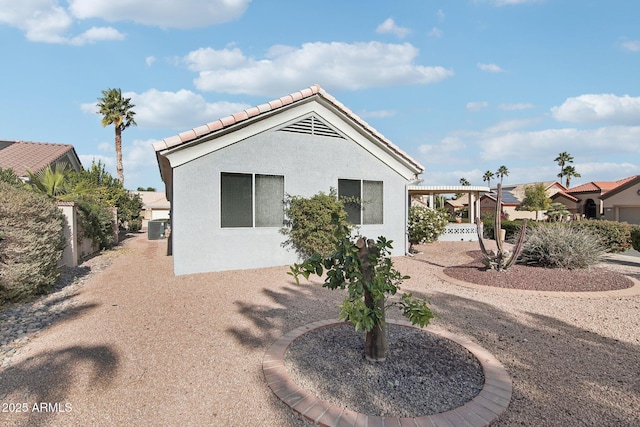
x,y
624,206
309,164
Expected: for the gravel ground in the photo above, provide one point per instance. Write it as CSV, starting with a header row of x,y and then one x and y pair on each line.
x,y
330,362
138,346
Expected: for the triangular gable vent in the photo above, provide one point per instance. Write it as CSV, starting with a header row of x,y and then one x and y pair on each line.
x,y
312,126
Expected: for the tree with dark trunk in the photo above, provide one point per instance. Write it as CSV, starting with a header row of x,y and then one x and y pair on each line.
x,y
117,111
365,270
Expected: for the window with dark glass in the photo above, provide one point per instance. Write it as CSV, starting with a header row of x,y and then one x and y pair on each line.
x,y
248,200
363,200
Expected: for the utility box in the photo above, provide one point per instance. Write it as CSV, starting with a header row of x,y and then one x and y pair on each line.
x,y
157,229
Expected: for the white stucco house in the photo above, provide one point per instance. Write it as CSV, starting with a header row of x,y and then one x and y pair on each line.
x,y
227,180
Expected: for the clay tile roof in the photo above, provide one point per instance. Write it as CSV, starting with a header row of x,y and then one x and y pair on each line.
x,y
34,156
602,186
275,104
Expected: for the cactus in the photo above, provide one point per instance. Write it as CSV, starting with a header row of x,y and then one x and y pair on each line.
x,y
502,259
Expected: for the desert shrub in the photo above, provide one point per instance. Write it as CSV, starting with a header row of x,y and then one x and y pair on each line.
x,y
635,237
561,246
616,236
314,223
425,224
96,221
31,242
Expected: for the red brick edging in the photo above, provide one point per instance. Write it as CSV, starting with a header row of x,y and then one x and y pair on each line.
x,y
482,410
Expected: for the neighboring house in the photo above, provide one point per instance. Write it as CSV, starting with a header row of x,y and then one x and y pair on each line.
x,y
588,201
512,197
154,206
623,202
22,156
227,180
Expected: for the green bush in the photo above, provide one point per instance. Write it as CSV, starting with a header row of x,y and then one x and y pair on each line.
x,y
31,243
425,224
96,221
512,228
616,236
559,245
313,223
635,237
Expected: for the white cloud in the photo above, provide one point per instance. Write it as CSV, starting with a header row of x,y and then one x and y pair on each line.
x,y
544,143
390,27
165,14
477,106
96,34
49,21
445,151
592,108
149,60
630,45
333,65
515,107
435,32
173,110
440,15
490,68
178,110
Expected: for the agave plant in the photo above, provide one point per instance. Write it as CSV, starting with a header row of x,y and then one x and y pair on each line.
x,y
502,259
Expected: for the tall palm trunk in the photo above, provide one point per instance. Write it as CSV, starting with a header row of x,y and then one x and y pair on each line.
x,y
119,166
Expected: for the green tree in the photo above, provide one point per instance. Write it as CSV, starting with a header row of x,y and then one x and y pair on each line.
x,y
557,212
535,199
502,172
314,223
117,111
365,270
570,172
562,159
487,177
96,184
51,181
10,177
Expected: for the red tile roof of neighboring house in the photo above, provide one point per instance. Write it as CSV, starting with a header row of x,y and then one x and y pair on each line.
x,y
34,156
249,113
601,186
626,183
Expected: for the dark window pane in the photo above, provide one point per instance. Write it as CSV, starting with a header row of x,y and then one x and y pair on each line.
x,y
236,194
350,188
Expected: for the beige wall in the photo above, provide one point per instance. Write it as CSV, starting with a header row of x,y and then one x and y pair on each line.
x,y
624,205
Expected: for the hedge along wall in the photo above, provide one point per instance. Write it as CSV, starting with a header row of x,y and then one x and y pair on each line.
x,y
31,242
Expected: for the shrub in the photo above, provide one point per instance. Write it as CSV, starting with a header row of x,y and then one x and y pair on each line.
x,y
561,246
635,237
31,242
616,236
96,221
425,224
314,223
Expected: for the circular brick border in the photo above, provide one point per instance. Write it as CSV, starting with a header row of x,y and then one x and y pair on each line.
x,y
482,410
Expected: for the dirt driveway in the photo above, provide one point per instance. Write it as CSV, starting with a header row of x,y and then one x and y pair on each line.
x,y
142,347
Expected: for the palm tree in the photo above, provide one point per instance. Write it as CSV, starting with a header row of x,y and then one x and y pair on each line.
x,y
487,177
568,172
562,159
502,172
50,181
118,111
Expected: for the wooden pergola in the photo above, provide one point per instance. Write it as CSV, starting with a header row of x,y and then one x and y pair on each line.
x,y
473,192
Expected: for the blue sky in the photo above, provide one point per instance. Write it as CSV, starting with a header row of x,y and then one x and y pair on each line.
x,y
463,87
